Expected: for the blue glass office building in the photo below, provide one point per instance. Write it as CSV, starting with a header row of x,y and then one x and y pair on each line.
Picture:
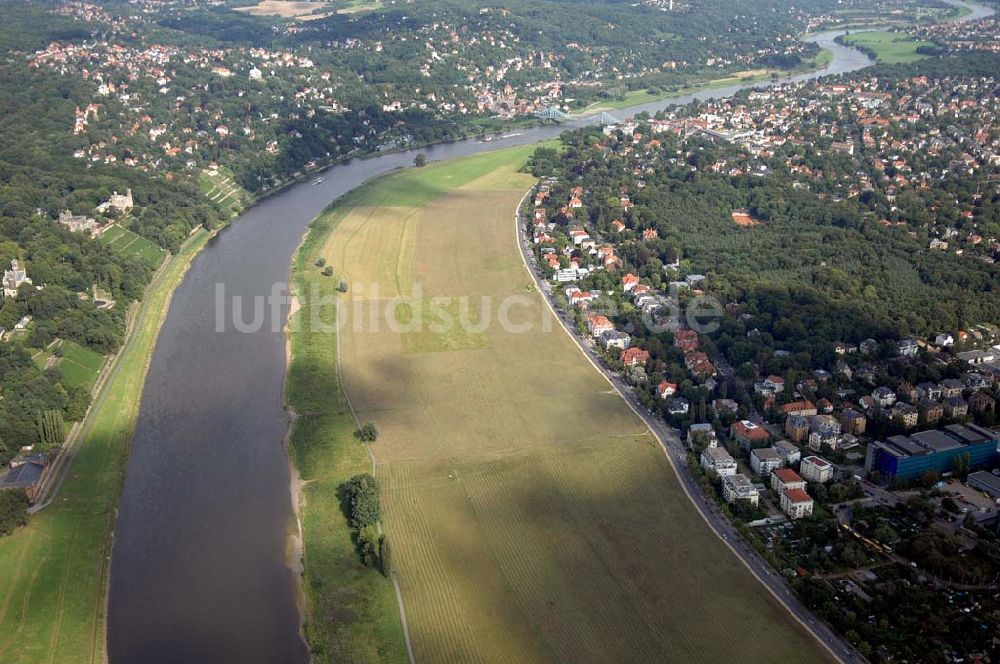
x,y
909,457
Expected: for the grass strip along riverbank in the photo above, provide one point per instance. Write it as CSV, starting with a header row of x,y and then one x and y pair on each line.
x,y
53,571
532,516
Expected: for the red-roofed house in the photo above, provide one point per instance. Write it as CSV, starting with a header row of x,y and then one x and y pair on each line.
x,y
799,408
686,340
632,357
598,324
748,434
629,281
796,503
580,298
665,389
786,478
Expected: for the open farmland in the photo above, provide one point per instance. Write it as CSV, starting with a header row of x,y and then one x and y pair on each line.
x,y
532,515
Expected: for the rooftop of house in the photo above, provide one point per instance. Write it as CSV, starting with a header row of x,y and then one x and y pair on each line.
x,y
787,475
797,496
816,461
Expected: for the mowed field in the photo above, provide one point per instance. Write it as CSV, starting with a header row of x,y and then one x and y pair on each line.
x,y
531,514
53,572
889,47
80,366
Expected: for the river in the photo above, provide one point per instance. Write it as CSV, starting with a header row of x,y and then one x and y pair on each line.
x,y
198,570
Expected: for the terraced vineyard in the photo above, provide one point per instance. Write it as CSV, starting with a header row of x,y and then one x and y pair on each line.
x,y
532,516
126,242
220,188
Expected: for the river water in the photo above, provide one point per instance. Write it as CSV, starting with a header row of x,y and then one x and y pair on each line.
x,y
198,572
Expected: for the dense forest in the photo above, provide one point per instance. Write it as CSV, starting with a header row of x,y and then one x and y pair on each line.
x,y
38,179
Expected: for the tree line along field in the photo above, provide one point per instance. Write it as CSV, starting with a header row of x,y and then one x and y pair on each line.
x,y
53,571
531,514
128,243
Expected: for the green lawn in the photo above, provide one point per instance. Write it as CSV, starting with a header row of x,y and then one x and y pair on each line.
x,y
126,242
888,47
53,572
80,366
351,614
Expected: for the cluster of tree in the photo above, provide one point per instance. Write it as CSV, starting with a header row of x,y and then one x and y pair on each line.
x,y
13,511
360,500
367,432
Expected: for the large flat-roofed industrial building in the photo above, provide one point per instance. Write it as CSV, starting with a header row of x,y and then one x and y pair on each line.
x,y
909,457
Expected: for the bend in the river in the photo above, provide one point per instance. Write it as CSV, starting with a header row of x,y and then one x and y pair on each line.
x,y
199,562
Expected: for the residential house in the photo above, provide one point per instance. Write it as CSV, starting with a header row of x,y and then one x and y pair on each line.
x,y
764,459
686,340
719,460
804,408
786,478
816,469
739,487
932,410
823,430
789,453
944,340
976,357
976,381
748,434
905,415
955,407
598,325
26,474
725,406
678,406
907,347
665,389
853,421
615,339
931,391
633,357
797,428
771,385
705,431
796,503
629,281
951,387
884,397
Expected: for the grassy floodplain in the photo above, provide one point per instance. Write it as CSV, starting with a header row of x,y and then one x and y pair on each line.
x,y
531,514
888,47
53,572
